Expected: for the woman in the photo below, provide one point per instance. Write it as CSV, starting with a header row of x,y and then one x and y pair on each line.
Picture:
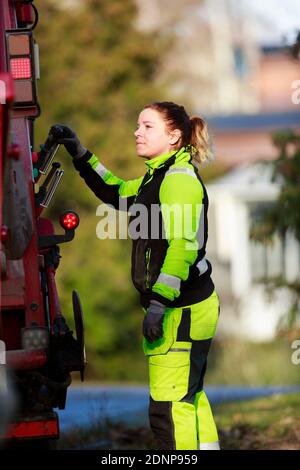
x,y
169,270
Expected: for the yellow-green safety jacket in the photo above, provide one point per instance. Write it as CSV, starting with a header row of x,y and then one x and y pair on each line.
x,y
168,258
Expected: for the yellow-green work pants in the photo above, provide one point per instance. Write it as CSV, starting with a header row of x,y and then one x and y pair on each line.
x,y
179,411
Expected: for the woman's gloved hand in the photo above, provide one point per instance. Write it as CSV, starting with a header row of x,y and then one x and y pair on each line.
x,y
64,135
153,321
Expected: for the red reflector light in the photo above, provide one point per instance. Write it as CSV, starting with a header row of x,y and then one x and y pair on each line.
x,y
4,233
22,53
34,157
24,92
38,428
18,44
24,13
20,68
69,220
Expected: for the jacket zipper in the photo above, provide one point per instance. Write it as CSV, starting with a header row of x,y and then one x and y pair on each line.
x,y
147,258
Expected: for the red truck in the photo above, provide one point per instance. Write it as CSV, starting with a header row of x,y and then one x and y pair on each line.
x,y
38,349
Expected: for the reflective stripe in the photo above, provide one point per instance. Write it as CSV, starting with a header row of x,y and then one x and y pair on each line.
x,y
186,171
209,445
202,266
168,280
179,350
101,170
93,161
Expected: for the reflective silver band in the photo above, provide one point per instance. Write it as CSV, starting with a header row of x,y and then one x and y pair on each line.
x,y
179,350
202,266
170,281
186,171
101,170
209,445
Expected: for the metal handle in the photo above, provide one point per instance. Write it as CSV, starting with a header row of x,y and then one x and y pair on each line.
x,y
48,159
52,188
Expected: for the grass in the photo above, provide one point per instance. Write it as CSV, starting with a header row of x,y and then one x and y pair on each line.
x,y
260,424
235,362
265,423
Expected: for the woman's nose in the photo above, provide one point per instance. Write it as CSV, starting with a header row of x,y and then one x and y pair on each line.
x,y
138,132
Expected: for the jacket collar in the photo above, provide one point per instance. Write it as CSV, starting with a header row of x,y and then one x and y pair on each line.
x,y
161,160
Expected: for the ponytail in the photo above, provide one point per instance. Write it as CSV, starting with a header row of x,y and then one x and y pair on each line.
x,y
200,142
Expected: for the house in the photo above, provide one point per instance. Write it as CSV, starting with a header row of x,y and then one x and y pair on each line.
x,y
244,138
218,67
239,263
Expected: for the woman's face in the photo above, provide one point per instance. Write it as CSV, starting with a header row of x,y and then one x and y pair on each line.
x,y
152,137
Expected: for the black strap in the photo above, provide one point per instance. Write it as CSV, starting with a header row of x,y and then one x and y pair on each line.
x,y
183,333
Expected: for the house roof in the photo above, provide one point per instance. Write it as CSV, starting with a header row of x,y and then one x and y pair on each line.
x,y
250,122
252,182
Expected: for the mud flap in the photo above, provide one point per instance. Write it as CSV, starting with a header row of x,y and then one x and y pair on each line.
x,y
79,327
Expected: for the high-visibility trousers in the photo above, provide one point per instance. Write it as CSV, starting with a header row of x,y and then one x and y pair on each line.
x,y
179,411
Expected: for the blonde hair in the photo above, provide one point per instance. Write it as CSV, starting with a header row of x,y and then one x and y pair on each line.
x,y
200,142
194,132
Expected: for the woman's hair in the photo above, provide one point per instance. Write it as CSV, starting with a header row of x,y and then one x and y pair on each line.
x,y
193,129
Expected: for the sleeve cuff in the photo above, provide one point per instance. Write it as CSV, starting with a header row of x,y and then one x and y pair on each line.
x,y
163,294
160,298
79,162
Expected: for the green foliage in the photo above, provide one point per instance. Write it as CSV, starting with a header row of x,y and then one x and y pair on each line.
x,y
283,216
100,271
295,50
232,361
97,72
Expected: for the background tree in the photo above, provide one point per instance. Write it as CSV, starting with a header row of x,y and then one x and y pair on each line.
x,y
97,72
283,216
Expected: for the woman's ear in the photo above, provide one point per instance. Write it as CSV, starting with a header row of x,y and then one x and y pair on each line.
x,y
175,136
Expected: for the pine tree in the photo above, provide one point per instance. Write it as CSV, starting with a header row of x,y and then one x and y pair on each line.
x,y
284,215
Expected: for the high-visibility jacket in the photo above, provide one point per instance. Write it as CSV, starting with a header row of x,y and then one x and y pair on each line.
x,y
169,266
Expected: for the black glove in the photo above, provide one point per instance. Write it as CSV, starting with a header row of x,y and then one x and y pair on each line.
x,y
64,135
153,321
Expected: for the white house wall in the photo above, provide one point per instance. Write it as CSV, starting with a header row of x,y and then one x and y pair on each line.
x,y
292,259
248,311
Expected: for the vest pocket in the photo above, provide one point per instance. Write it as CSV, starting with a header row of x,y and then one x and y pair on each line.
x,y
162,345
169,373
204,318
